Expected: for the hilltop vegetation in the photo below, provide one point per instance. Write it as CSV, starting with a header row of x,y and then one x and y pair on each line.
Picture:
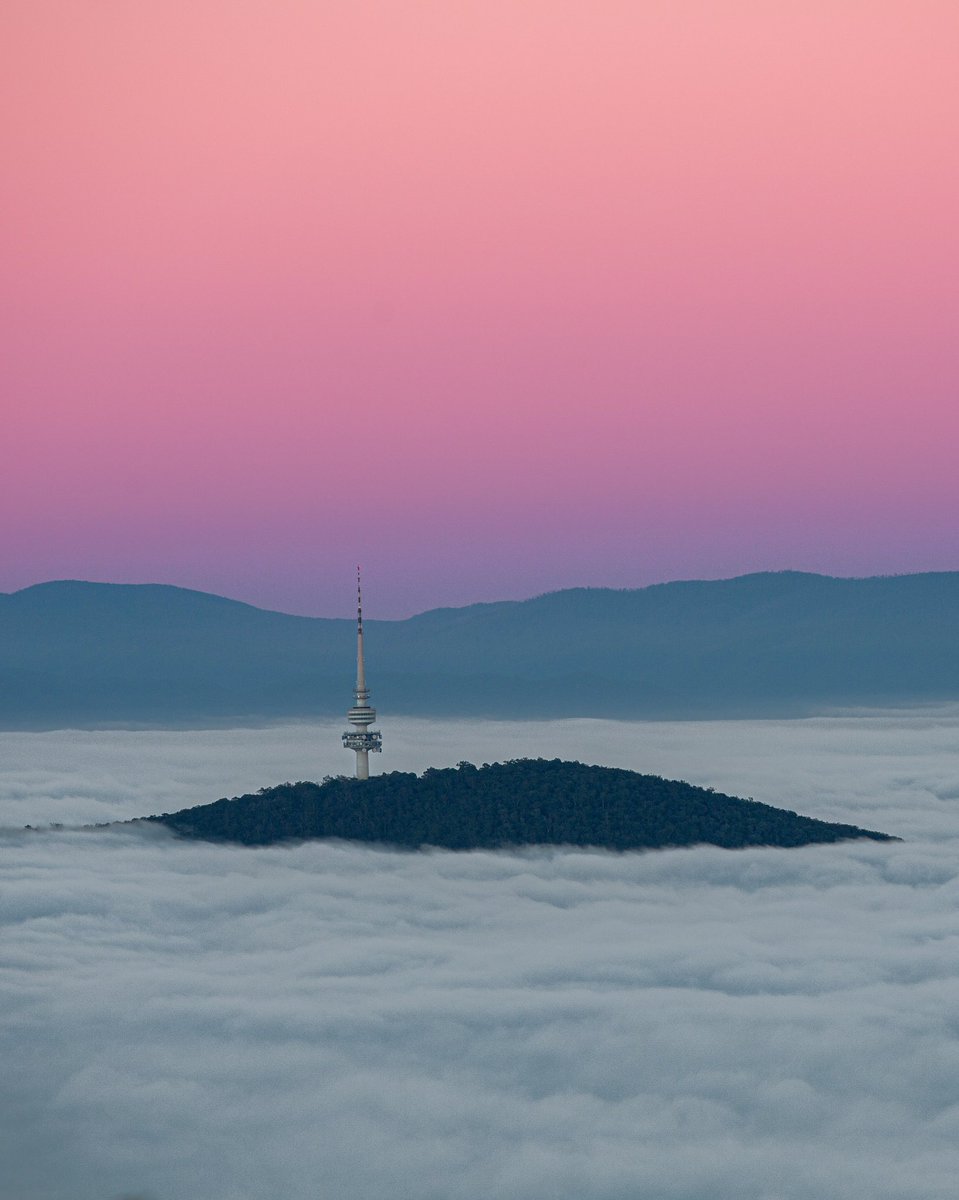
x,y
518,803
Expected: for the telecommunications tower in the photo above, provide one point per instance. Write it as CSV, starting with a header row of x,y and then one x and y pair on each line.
x,y
361,738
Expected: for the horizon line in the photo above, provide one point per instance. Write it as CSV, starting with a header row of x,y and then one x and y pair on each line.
x,y
107,583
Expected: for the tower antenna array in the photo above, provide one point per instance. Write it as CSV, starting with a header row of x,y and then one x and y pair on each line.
x,y
361,716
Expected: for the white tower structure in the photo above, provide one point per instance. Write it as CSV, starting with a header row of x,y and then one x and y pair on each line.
x,y
361,716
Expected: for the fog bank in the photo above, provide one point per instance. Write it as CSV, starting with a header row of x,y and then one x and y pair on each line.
x,y
190,1020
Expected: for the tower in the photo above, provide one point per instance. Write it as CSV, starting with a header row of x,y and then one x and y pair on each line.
x,y
361,716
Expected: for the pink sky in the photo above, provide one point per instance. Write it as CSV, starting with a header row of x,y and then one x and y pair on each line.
x,y
492,296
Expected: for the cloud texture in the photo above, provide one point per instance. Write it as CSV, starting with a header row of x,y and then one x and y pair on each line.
x,y
187,1020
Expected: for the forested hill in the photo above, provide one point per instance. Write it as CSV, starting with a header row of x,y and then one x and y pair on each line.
x,y
524,802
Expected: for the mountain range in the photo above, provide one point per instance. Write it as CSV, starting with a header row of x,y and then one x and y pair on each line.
x,y
771,644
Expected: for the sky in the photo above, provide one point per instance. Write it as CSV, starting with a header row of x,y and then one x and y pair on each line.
x,y
185,1019
492,297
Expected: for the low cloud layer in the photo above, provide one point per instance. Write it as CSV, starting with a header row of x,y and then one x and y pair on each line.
x,y
184,1020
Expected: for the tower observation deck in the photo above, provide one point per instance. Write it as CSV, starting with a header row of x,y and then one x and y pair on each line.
x,y
361,716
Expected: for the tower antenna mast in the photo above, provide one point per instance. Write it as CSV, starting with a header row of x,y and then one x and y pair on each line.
x,y
361,716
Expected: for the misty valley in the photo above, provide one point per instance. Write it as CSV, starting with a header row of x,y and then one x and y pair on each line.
x,y
701,1023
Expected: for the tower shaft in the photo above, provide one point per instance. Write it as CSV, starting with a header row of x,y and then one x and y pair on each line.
x,y
361,738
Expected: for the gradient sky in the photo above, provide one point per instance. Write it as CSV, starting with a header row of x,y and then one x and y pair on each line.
x,y
493,296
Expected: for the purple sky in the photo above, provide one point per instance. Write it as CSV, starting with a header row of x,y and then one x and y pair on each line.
x,y
492,298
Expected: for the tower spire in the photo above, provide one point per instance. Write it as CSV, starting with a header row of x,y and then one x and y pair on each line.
x,y
361,716
360,665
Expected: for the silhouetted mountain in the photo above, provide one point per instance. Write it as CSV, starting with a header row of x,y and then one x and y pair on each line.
x,y
519,803
759,645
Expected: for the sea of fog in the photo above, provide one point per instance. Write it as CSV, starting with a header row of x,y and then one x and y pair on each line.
x,y
196,1022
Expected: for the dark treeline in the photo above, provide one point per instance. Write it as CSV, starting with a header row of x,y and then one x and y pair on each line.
x,y
518,803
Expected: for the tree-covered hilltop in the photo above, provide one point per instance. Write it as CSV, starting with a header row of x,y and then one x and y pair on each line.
x,y
518,803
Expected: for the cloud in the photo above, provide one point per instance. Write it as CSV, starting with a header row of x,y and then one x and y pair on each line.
x,y
185,1020
901,769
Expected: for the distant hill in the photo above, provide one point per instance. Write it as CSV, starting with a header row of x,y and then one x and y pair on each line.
x,y
770,644
520,803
